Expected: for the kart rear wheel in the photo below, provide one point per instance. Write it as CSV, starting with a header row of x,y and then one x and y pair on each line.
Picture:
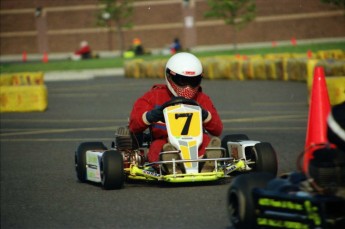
x,y
265,158
112,170
80,157
232,138
240,203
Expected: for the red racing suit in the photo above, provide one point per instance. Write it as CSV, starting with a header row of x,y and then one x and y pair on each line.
x,y
158,95
83,50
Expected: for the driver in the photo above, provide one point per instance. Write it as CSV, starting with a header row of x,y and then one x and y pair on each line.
x,y
336,126
327,166
183,75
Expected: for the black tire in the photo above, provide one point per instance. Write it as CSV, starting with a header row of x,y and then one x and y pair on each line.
x,y
240,204
112,170
80,157
232,138
265,158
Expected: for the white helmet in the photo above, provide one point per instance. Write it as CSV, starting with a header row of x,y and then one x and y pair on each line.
x,y
183,75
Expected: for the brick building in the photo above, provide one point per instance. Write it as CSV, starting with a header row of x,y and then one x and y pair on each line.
x,y
62,24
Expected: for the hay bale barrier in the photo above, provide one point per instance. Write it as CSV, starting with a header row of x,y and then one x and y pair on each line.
x,y
23,92
278,66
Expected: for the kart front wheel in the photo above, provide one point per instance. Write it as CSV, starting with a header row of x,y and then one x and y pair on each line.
x,y
80,157
112,170
265,158
240,202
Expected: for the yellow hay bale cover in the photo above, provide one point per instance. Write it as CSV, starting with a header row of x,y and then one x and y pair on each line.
x,y
336,89
135,69
331,54
22,78
23,98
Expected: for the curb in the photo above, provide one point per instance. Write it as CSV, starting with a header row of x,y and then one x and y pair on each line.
x,y
82,74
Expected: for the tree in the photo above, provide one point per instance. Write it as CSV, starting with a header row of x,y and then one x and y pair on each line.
x,y
236,13
340,3
119,12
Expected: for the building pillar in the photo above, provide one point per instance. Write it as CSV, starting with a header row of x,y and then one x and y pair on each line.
x,y
190,37
41,27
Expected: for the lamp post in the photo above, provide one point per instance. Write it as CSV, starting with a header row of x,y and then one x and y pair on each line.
x,y
106,17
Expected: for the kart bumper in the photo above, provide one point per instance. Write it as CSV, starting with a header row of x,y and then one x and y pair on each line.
x,y
147,173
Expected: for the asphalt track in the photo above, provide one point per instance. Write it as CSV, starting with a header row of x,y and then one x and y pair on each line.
x,y
39,188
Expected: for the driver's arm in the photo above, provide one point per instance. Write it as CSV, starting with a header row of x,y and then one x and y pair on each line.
x,y
136,122
213,124
146,109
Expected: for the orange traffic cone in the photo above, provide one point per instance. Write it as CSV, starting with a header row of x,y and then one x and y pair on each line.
x,y
293,41
45,58
309,54
24,56
319,109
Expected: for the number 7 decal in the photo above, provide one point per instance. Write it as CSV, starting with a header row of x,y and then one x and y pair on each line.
x,y
187,123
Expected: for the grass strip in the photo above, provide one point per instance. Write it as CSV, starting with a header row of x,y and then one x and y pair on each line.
x,y
118,62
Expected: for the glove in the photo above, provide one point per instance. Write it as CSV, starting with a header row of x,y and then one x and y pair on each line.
x,y
204,114
155,115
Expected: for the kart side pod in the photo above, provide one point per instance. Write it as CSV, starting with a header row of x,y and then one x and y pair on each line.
x,y
94,162
259,156
241,149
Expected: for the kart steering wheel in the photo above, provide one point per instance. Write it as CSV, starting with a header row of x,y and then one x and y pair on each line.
x,y
179,100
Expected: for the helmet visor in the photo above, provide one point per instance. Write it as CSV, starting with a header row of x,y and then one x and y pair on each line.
x,y
183,81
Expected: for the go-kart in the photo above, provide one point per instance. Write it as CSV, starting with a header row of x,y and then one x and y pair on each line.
x,y
261,200
126,158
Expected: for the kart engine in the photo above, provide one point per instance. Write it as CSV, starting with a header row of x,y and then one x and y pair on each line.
x,y
124,142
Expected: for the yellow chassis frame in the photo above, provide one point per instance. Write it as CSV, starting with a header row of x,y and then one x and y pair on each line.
x,y
137,173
